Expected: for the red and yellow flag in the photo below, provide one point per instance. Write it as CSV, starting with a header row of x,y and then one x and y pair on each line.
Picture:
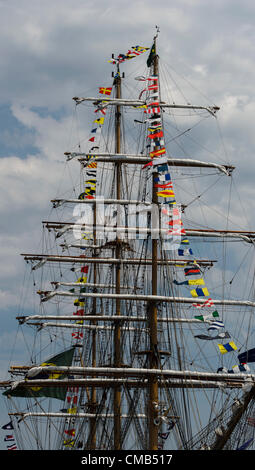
x,y
105,91
156,135
166,193
156,153
164,186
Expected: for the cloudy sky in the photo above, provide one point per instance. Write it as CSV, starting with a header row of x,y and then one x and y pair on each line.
x,y
52,50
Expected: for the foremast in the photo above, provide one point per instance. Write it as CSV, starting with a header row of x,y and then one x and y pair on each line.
x,y
117,330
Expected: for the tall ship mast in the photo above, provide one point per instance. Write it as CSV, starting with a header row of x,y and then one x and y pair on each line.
x,y
131,349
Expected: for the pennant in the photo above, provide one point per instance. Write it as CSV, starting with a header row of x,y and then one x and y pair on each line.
x,y
205,317
83,289
72,411
176,231
156,143
240,368
89,191
79,313
140,106
79,303
228,347
184,283
164,186
153,78
12,447
155,135
91,173
69,442
70,432
92,165
162,178
82,280
85,269
155,127
175,222
166,193
101,110
155,110
216,325
105,91
153,87
140,49
151,101
199,292
137,50
191,271
245,445
207,303
207,337
87,236
74,399
9,437
8,426
150,87
168,211
182,252
99,120
152,55
77,335
176,212
151,119
147,164
91,182
190,282
161,168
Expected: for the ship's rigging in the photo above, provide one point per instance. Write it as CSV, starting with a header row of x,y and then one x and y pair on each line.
x,y
137,373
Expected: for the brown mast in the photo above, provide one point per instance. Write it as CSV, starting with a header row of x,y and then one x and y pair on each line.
x,y
241,407
153,385
117,333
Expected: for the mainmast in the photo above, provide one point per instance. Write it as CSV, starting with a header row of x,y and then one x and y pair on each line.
x,y
153,312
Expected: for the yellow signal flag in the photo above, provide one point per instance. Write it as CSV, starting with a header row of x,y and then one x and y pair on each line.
x,y
99,120
196,282
228,347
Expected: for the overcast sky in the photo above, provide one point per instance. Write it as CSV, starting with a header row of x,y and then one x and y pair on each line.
x,y
52,50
